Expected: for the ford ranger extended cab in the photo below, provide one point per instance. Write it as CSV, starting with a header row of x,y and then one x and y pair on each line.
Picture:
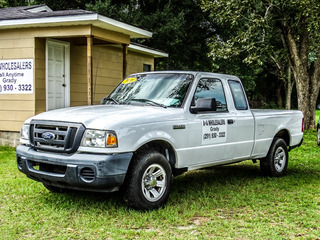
x,y
151,127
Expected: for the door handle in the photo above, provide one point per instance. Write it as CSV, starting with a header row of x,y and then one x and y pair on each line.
x,y
63,85
231,121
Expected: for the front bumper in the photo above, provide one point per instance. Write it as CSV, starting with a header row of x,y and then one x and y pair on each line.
x,y
78,171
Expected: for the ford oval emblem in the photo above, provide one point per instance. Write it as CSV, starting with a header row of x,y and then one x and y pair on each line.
x,y
48,135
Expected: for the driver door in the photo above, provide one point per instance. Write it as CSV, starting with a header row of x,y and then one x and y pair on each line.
x,y
212,133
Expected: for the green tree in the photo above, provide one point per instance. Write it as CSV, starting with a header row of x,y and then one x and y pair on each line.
x,y
179,28
65,5
14,3
3,3
278,31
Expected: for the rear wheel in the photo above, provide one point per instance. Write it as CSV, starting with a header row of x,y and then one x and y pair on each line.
x,y
148,183
276,162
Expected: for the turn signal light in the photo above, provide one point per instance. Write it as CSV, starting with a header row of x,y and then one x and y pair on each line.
x,y
111,140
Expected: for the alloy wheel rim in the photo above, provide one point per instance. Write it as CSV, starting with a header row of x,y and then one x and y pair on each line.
x,y
280,159
154,182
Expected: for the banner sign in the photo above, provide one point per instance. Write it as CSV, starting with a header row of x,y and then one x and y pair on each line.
x,y
16,76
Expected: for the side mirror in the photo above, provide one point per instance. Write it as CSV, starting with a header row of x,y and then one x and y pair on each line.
x,y
204,105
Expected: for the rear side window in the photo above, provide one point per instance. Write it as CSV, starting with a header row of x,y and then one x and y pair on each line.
x,y
238,94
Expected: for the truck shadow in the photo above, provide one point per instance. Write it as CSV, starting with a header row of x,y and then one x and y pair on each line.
x,y
219,175
220,180
245,177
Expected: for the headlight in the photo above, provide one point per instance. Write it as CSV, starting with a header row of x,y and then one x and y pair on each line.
x,y
100,139
24,134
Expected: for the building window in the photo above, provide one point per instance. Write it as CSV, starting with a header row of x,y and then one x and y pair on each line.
x,y
146,67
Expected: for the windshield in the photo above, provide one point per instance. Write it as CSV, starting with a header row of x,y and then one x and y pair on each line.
x,y
163,89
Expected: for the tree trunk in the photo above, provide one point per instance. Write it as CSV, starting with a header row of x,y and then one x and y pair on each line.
x,y
279,96
307,82
288,96
286,81
308,90
304,97
289,88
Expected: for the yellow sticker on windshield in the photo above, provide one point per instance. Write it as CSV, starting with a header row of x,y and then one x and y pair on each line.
x,y
129,80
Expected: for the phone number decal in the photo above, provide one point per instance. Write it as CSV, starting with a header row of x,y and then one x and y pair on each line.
x,y
20,88
214,131
16,76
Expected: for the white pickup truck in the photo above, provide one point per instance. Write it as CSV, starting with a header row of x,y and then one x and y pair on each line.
x,y
151,127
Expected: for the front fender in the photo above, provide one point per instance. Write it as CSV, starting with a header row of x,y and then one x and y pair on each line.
x,y
155,136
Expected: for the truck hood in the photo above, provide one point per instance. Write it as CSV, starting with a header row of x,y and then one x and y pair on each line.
x,y
112,116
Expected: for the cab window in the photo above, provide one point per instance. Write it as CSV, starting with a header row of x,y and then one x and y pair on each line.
x,y
238,95
211,88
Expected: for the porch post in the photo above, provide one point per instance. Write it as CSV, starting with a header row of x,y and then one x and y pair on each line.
x,y
124,55
89,69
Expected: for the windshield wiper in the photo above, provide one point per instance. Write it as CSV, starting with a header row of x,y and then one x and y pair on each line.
x,y
105,99
148,101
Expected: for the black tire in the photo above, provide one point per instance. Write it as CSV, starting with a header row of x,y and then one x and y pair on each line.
x,y
54,189
148,182
276,162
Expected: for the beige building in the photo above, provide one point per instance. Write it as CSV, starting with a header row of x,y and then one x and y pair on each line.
x,y
55,59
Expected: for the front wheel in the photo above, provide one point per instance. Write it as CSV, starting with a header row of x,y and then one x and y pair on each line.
x,y
276,162
148,183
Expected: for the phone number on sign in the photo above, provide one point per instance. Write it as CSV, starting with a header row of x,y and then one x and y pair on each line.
x,y
19,88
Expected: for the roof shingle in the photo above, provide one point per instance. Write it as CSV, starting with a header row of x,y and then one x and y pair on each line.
x,y
26,12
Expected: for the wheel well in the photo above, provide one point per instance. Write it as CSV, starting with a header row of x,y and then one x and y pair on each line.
x,y
284,134
162,147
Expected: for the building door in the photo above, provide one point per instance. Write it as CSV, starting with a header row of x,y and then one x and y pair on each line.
x,y
58,74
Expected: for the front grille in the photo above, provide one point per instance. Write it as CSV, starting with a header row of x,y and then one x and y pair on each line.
x,y
56,136
45,167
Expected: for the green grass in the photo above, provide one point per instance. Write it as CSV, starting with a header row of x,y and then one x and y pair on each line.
x,y
233,202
